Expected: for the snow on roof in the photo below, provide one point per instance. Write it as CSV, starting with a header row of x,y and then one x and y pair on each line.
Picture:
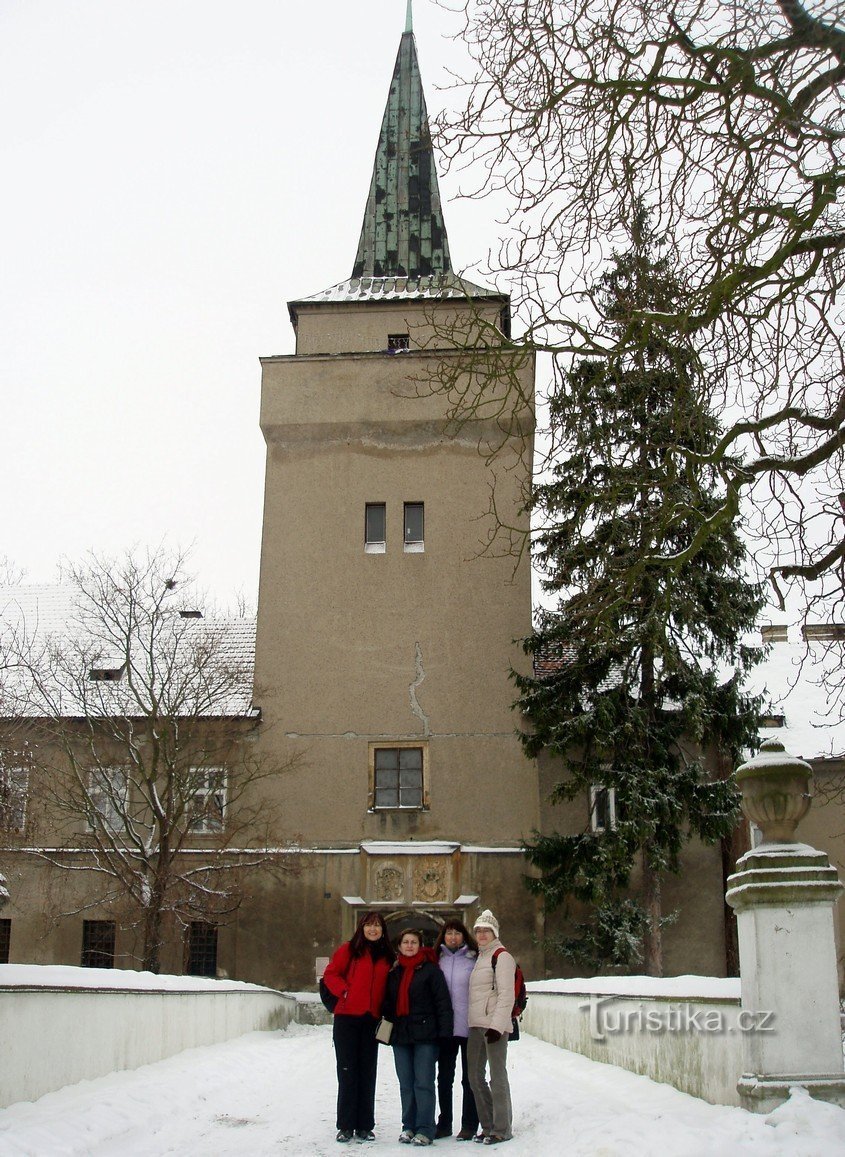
x,y
364,289
795,680
49,612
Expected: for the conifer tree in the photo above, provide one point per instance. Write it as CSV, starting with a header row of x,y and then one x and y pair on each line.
x,y
643,666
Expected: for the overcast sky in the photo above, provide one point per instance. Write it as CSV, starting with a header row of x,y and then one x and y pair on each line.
x,y
173,173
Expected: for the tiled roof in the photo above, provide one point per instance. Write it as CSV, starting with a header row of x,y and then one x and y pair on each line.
x,y
364,289
47,614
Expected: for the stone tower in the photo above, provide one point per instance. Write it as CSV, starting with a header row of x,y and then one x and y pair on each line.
x,y
385,632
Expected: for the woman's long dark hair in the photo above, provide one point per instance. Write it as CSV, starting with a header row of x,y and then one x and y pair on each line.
x,y
359,944
469,939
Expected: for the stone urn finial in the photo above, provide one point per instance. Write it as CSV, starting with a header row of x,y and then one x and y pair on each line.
x,y
775,790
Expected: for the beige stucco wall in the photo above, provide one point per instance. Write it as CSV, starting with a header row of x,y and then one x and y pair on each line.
x,y
364,326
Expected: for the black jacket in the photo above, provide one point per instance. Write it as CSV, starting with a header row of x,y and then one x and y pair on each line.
x,y
430,1016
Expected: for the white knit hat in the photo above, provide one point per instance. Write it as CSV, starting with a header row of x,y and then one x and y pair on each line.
x,y
487,920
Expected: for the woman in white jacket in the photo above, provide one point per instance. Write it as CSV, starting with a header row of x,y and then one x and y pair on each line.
x,y
491,997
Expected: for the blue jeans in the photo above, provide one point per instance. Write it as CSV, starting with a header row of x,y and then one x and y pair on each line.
x,y
415,1065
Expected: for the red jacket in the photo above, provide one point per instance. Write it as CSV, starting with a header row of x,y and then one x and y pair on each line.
x,y
359,983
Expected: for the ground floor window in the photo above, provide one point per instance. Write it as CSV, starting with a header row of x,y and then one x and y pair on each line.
x,y
5,940
201,949
98,938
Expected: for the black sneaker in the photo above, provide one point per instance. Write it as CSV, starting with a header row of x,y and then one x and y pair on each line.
x,y
443,1131
364,1135
344,1135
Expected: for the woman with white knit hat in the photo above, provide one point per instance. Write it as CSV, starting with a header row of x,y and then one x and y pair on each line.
x,y
491,998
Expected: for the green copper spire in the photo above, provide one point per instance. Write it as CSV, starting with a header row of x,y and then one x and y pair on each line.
x,y
409,17
403,234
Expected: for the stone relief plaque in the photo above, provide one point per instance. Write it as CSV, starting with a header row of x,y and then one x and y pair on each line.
x,y
430,880
389,883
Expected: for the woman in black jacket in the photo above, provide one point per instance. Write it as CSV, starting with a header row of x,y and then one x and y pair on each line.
x,y
418,1005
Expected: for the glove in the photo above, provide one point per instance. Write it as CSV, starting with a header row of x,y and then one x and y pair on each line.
x,y
492,1036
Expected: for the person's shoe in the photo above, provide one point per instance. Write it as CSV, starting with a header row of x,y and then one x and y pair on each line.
x,y
406,1137
443,1131
364,1135
421,1139
480,1138
344,1135
466,1135
494,1139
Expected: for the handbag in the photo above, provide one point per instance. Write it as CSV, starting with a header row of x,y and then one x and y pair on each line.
x,y
383,1030
327,996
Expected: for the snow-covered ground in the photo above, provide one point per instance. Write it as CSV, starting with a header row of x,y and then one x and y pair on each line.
x,y
273,1093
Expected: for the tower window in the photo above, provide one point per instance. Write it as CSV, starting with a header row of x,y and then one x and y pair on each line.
x,y
5,939
375,527
397,777
398,341
414,527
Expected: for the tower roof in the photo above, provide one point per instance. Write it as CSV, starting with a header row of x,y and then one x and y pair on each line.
x,y
403,234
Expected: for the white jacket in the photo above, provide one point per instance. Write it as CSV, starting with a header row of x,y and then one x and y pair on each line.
x,y
491,992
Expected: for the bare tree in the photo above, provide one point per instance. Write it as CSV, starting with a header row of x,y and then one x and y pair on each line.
x,y
726,122
129,726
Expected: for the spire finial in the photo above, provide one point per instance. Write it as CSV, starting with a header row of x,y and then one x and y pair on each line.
x,y
409,17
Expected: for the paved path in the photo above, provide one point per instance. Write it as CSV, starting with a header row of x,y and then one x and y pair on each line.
x,y
273,1093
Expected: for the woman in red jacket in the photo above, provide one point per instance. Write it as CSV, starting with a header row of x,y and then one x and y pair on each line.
x,y
357,975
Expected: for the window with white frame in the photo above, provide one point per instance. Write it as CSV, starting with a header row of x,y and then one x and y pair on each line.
x,y
14,782
414,527
207,804
108,795
398,776
602,808
375,527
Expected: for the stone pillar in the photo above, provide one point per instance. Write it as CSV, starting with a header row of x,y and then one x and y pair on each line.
x,y
783,893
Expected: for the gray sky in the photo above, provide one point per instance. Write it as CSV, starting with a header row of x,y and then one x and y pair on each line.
x,y
174,171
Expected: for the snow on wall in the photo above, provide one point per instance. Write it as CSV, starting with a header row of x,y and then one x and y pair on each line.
x,y
60,1028
683,1031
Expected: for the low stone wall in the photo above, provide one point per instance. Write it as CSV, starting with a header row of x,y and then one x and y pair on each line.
x,y
692,1041
58,1033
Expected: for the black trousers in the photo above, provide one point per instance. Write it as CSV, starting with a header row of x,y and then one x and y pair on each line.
x,y
356,1052
446,1062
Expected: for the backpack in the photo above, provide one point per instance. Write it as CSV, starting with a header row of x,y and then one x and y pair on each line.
x,y
520,994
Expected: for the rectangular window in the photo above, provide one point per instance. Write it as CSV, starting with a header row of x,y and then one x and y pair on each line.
x,y
5,940
208,801
13,790
602,808
398,779
108,794
201,957
414,527
98,943
398,341
375,527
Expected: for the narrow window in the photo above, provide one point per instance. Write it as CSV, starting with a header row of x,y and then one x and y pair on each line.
x,y
98,943
207,803
375,527
602,808
398,341
201,957
5,940
13,792
398,777
414,527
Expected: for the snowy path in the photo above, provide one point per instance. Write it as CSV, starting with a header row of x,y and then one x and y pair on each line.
x,y
273,1093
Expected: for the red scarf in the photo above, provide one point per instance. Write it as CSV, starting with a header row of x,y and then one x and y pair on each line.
x,y
407,964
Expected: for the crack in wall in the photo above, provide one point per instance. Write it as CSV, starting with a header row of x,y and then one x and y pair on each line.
x,y
419,675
